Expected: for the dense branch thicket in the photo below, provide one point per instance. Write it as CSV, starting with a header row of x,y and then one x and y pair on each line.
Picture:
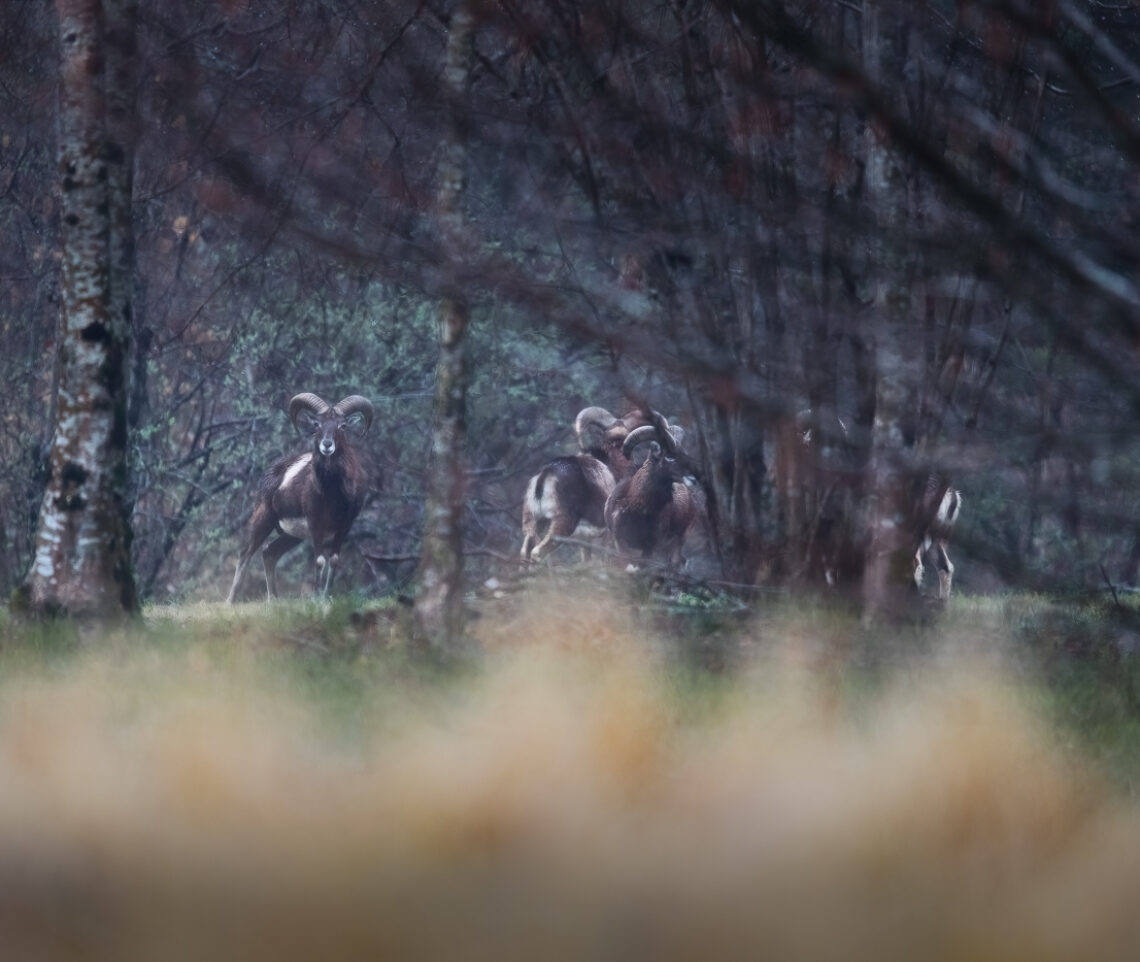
x,y
918,216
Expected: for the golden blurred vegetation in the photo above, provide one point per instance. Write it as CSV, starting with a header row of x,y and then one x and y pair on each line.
x,y
288,783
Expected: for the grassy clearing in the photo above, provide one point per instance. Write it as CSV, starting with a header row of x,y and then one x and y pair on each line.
x,y
609,779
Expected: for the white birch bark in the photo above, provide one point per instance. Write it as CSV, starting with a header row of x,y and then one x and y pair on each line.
x,y
82,565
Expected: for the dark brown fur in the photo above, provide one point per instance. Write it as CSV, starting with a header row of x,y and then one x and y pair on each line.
x,y
651,511
326,494
572,491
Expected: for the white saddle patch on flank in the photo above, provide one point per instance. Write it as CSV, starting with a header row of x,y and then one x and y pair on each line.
x,y
296,468
948,507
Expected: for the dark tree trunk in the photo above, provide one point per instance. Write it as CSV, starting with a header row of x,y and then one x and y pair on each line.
x,y
82,563
439,599
1131,573
888,588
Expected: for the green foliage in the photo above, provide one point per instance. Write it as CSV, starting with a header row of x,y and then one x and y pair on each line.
x,y
1089,657
28,645
216,420
624,234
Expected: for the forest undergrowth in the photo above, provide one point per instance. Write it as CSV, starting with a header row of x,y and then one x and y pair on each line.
x,y
609,778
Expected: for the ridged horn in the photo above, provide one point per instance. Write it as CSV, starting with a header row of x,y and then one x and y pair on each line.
x,y
669,435
354,404
639,436
592,415
306,402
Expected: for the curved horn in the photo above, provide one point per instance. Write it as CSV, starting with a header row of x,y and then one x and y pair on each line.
x,y
592,415
354,404
670,436
638,436
306,402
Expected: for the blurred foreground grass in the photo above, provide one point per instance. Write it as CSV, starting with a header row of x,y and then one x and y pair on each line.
x,y
601,783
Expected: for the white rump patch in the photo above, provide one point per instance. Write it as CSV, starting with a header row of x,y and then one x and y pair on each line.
x,y
548,504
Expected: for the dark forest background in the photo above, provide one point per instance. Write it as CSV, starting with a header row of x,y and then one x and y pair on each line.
x,y
919,216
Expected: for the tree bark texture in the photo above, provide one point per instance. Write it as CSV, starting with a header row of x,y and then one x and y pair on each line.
x,y
82,563
439,598
888,587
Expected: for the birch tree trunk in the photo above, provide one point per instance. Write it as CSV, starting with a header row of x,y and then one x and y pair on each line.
x,y
439,599
82,565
